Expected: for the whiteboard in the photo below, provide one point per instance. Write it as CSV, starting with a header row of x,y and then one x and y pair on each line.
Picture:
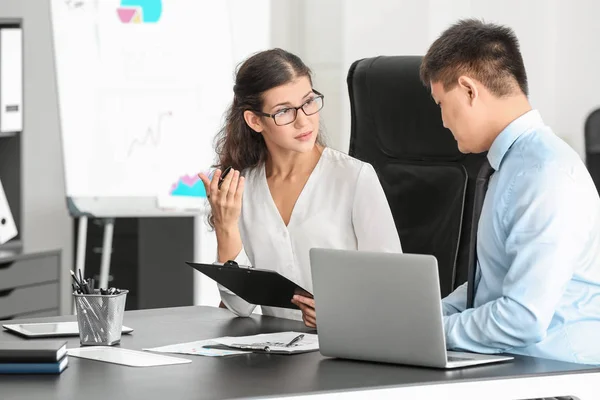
x,y
142,86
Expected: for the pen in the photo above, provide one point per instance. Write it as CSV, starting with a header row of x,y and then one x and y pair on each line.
x,y
79,285
237,347
88,289
219,347
80,279
295,340
223,175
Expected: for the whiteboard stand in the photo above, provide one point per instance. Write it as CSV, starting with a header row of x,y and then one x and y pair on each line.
x,y
109,226
81,242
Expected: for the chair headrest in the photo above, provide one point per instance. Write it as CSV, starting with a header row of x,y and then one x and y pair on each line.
x,y
389,101
592,132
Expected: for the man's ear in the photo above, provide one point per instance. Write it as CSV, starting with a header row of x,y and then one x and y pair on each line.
x,y
469,87
253,121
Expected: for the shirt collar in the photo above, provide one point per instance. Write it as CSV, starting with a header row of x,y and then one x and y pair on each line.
x,y
526,122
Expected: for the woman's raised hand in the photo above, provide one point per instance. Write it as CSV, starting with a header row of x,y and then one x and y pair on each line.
x,y
225,197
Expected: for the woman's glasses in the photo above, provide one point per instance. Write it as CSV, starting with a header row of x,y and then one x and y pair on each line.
x,y
288,115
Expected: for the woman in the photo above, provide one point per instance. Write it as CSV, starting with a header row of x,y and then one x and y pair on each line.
x,y
293,192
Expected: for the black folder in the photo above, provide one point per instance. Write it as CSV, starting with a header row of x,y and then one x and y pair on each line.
x,y
257,286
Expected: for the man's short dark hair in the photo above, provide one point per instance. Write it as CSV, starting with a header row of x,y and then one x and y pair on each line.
x,y
486,52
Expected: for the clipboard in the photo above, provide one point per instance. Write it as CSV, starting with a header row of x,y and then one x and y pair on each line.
x,y
257,286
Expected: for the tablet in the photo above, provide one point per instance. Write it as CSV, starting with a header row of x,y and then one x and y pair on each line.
x,y
119,355
257,286
49,329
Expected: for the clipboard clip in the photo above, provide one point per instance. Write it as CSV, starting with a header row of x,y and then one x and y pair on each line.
x,y
257,346
236,346
234,264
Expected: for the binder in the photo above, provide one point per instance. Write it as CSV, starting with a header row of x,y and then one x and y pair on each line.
x,y
8,229
11,80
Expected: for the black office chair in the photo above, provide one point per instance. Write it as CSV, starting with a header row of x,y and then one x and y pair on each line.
x,y
429,184
592,146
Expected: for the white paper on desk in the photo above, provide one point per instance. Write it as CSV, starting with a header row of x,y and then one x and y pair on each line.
x,y
8,229
196,348
275,341
119,355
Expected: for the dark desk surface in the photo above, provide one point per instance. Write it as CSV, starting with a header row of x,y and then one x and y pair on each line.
x,y
237,376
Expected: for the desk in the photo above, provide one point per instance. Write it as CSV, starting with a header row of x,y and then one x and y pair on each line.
x,y
261,375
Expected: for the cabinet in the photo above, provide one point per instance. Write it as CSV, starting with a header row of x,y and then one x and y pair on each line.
x,y
29,285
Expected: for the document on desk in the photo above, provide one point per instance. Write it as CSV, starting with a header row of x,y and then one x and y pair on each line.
x,y
278,343
197,349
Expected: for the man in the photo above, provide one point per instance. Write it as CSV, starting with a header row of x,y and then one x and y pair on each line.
x,y
537,282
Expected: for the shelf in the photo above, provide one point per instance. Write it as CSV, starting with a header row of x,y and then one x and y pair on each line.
x,y
8,134
11,22
11,248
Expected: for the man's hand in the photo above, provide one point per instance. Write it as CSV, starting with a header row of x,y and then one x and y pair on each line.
x,y
307,305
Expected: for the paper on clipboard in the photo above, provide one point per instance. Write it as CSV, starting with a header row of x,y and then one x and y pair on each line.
x,y
132,358
197,349
278,342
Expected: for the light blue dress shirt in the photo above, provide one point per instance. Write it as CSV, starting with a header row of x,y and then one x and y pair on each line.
x,y
538,245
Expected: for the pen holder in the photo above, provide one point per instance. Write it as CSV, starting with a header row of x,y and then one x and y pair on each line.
x,y
100,317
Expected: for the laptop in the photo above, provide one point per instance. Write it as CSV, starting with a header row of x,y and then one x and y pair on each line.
x,y
383,307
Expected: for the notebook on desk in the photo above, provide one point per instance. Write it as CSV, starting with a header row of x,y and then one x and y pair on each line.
x,y
32,351
388,310
35,368
25,357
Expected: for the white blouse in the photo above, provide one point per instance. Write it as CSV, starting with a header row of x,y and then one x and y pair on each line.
x,y
342,206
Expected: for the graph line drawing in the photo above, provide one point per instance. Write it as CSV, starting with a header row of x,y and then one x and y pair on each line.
x,y
74,3
152,136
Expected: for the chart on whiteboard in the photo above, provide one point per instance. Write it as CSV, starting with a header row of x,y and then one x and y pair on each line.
x,y
143,86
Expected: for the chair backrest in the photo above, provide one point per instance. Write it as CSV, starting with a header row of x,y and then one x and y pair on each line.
x,y
592,146
429,184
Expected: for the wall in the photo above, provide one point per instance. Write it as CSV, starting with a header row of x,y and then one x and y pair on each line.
x,y
46,224
577,59
557,39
